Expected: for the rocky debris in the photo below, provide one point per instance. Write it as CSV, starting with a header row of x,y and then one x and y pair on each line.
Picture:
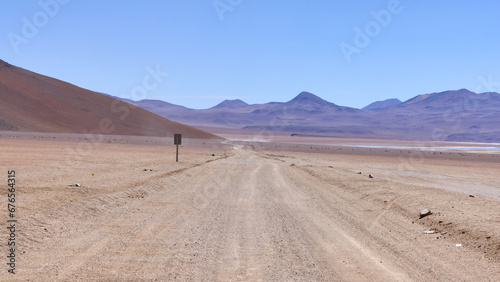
x,y
425,212
360,172
146,169
429,232
371,176
213,155
75,185
472,196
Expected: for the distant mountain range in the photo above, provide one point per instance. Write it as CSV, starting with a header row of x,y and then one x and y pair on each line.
x,y
37,103
33,102
459,115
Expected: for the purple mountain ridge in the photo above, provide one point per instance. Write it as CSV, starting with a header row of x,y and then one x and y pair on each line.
x,y
456,115
382,104
230,104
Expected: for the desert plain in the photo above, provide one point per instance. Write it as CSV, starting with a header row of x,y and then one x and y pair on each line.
x,y
276,209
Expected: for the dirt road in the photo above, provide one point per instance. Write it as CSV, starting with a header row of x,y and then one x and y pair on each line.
x,y
250,217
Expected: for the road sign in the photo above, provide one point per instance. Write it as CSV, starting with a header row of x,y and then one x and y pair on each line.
x,y
177,139
177,142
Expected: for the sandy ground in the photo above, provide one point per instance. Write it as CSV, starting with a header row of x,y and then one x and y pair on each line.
x,y
251,212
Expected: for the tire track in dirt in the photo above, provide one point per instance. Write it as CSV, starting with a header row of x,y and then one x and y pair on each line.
x,y
384,212
348,256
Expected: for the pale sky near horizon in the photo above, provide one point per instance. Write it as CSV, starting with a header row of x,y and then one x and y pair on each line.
x,y
350,53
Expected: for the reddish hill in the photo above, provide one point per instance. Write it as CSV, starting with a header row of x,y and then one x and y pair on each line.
x,y
33,102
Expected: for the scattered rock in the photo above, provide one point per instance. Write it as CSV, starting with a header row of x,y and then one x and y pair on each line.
x,y
425,212
145,169
371,176
472,196
359,172
429,232
75,185
213,155
443,233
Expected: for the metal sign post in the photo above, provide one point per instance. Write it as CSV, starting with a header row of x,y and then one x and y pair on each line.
x,y
177,142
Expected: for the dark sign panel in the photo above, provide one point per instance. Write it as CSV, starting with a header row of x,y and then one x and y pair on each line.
x,y
177,139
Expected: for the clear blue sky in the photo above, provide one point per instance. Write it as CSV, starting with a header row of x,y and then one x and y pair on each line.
x,y
257,51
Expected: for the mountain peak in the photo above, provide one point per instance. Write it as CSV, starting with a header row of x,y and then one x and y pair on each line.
x,y
465,90
307,98
462,91
382,104
445,98
237,103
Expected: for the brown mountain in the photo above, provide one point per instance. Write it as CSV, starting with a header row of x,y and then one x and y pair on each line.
x,y
33,102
